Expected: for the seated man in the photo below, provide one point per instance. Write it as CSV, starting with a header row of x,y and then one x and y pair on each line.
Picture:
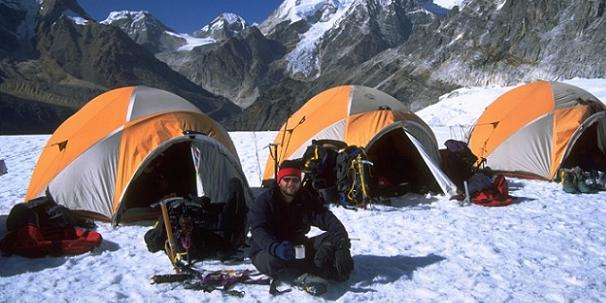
x,y
279,220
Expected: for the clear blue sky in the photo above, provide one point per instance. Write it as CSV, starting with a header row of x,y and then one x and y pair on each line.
x,y
184,16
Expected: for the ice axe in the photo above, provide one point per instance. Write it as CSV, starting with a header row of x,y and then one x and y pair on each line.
x,y
170,246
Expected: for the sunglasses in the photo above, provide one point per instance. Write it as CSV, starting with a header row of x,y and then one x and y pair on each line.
x,y
288,179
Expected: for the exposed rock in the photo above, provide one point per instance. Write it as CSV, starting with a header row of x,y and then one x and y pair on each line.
x,y
77,59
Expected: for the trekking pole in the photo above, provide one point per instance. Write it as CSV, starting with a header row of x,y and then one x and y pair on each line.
x,y
290,132
258,162
277,159
273,152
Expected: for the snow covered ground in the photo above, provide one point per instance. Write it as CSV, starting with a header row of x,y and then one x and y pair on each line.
x,y
549,246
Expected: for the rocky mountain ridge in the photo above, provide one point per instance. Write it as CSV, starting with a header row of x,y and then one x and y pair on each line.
x,y
72,59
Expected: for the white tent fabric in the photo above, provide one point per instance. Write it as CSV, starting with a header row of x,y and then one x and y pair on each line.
x,y
531,145
447,186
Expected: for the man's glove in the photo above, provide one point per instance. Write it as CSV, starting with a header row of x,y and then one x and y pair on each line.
x,y
283,250
343,261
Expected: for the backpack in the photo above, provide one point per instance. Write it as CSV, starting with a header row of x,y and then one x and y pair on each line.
x,y
354,175
458,162
319,163
203,229
495,195
47,211
41,227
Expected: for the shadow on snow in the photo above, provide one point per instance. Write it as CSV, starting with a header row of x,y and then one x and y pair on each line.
x,y
371,269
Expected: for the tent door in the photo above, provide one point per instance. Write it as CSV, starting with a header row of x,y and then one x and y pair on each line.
x,y
585,148
440,177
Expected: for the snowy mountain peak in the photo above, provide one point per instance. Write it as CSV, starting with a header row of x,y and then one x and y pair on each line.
x,y
310,11
136,23
222,27
129,16
314,21
320,16
231,18
323,10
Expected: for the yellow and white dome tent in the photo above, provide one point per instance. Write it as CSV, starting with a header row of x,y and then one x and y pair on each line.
x,y
533,129
95,161
366,117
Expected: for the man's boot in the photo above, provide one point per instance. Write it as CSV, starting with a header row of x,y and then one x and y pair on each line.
x,y
312,284
583,181
568,181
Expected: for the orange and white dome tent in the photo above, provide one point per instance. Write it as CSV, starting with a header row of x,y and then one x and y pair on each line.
x,y
366,117
95,162
533,129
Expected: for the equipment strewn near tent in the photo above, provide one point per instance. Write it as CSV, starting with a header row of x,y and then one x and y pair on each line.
x,y
402,148
128,148
535,129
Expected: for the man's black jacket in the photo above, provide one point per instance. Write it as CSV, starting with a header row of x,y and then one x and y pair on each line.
x,y
272,220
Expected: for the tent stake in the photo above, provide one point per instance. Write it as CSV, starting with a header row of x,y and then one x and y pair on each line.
x,y
467,200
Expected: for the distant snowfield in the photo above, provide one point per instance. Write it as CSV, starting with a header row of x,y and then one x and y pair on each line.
x,y
448,3
549,246
192,42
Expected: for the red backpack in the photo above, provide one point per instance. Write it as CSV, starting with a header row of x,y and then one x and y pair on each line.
x,y
33,232
497,195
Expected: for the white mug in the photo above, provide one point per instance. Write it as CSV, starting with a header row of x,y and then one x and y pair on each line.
x,y
300,251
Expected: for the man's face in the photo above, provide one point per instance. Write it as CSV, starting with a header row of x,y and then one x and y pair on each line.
x,y
289,186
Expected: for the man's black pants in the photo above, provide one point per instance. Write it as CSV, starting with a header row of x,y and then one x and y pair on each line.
x,y
290,270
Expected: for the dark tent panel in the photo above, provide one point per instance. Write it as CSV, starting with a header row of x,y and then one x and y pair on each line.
x,y
170,172
397,160
585,153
